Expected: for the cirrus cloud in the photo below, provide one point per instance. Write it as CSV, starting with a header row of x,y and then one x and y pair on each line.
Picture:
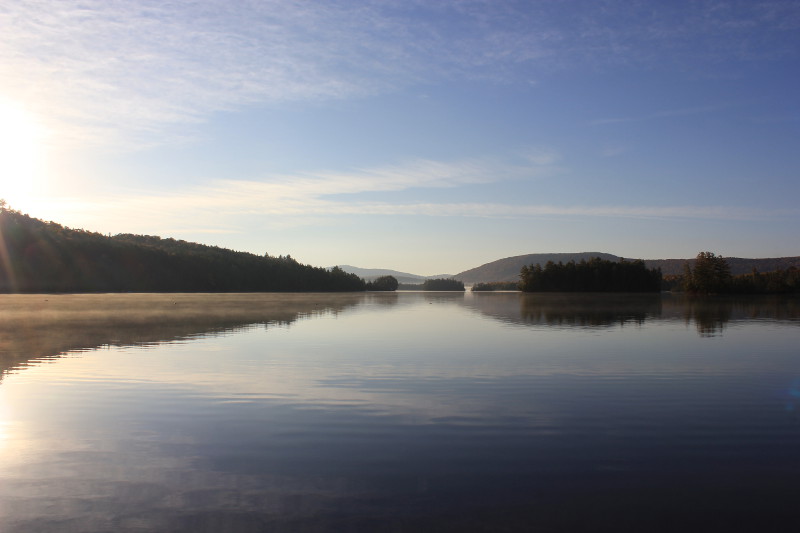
x,y
104,70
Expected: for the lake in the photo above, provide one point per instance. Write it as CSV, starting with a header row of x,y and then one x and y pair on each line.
x,y
398,412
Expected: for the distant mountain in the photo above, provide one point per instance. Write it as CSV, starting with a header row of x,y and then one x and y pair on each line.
x,y
508,269
369,274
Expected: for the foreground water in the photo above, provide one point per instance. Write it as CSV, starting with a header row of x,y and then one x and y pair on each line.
x,y
398,412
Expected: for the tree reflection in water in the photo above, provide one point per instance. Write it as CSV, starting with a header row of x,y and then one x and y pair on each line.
x,y
709,314
42,326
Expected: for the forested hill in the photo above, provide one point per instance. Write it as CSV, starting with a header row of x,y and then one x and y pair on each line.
x,y
738,265
38,256
508,269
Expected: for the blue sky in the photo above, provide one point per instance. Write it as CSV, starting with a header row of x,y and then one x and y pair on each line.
x,y
427,137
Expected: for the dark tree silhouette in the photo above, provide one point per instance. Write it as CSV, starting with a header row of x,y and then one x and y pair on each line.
x,y
38,256
595,275
710,275
383,283
496,286
442,284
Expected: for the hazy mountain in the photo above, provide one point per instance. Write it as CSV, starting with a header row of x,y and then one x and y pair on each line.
x,y
508,269
369,274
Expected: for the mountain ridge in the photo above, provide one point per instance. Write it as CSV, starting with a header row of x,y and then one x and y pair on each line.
x,y
507,268
44,256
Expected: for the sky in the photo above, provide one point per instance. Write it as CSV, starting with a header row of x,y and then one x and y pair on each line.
x,y
423,136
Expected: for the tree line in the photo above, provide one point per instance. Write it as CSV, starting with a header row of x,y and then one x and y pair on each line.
x,y
443,284
496,286
707,274
437,284
711,274
38,256
595,275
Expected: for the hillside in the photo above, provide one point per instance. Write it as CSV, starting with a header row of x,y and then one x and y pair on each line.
x,y
738,265
43,256
40,256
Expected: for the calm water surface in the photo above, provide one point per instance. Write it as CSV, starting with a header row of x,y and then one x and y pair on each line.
x,y
398,412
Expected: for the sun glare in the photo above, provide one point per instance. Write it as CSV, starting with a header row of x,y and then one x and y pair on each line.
x,y
22,153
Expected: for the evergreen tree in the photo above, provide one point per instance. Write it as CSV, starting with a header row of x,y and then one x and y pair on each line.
x,y
711,274
38,256
443,284
595,275
383,283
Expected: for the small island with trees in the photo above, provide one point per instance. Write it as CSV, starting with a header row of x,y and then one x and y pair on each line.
x,y
443,284
595,275
382,283
434,284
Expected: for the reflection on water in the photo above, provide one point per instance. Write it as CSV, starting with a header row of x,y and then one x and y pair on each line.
x,y
42,326
591,310
398,412
709,315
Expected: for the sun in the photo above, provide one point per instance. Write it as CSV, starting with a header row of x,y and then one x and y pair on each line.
x,y
22,153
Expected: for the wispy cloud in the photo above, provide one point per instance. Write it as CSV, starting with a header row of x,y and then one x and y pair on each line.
x,y
542,156
106,67
136,66
323,192
231,206
236,211
500,210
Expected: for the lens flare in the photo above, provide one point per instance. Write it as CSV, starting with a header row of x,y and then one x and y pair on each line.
x,y
22,153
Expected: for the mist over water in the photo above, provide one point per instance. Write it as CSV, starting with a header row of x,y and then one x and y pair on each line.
x,y
398,412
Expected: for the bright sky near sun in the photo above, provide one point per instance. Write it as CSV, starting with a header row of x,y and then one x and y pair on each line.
x,y
423,136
